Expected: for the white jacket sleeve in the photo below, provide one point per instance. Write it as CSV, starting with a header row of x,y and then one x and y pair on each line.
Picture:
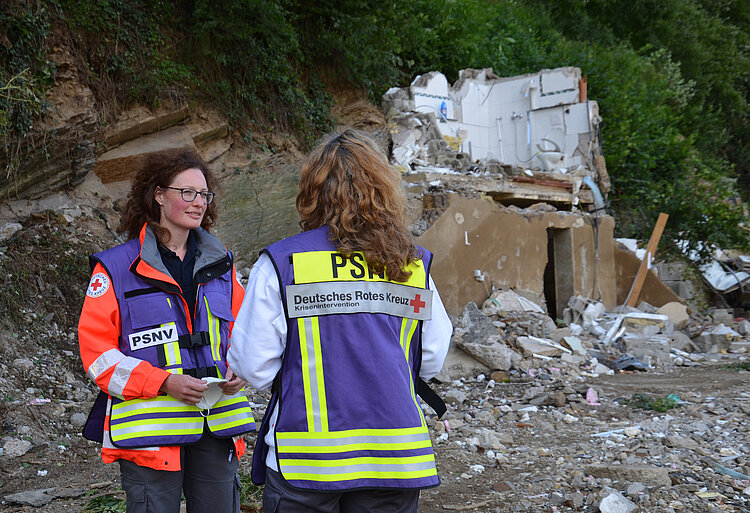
x,y
259,333
436,337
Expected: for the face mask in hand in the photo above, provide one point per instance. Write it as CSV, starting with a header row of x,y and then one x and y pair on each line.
x,y
212,394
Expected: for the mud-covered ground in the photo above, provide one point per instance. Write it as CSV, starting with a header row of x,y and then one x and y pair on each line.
x,y
499,448
491,460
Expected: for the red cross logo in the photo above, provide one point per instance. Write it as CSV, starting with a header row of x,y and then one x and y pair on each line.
x,y
417,303
98,286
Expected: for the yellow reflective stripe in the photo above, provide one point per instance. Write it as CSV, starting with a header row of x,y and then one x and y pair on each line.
x,y
321,395
366,446
408,327
360,460
181,431
370,474
230,413
312,374
349,433
359,467
352,440
169,303
171,409
213,331
305,372
230,400
158,402
171,350
318,266
229,425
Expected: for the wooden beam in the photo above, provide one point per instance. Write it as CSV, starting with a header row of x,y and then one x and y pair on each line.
x,y
640,277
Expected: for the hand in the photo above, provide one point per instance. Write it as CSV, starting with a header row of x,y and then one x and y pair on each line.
x,y
233,385
186,388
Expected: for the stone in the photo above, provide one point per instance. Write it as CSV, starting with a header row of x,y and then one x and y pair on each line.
x,y
23,363
679,340
13,447
8,230
574,344
635,489
454,396
651,476
78,420
500,377
476,335
616,503
35,498
677,313
118,164
489,439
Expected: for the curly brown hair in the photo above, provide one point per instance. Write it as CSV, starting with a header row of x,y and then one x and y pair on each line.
x,y
158,170
347,184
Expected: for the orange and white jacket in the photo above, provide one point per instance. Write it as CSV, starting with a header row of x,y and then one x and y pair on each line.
x,y
126,377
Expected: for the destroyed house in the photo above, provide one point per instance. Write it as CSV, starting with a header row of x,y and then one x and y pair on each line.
x,y
513,185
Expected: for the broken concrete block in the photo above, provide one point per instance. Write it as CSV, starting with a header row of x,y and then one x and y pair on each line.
x,y
722,315
8,230
592,312
677,313
509,301
574,344
478,336
679,340
646,474
647,324
716,340
540,346
652,350
743,327
573,359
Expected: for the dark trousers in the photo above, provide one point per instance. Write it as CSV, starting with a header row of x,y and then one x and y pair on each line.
x,y
280,497
208,478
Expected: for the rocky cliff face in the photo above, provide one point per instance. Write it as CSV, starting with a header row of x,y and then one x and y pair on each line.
x,y
62,148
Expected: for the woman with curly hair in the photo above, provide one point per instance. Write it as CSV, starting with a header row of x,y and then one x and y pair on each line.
x,y
345,322
154,330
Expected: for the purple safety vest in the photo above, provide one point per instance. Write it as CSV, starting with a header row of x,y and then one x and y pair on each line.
x,y
154,329
348,415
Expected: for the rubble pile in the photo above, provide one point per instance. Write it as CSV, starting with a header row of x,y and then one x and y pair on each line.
x,y
550,427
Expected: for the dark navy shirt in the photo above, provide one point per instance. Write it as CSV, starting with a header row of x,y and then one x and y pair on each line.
x,y
182,270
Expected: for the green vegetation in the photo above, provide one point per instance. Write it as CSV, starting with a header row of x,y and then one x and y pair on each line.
x,y
672,77
660,404
107,503
251,495
739,366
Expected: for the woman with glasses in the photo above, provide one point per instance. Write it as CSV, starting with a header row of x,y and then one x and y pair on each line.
x,y
154,334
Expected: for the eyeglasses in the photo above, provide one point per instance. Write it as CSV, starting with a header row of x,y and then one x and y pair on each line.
x,y
190,194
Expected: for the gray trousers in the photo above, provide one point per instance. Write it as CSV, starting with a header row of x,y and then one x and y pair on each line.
x,y
280,497
208,478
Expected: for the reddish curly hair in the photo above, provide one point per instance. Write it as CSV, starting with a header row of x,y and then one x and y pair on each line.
x,y
347,184
158,170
